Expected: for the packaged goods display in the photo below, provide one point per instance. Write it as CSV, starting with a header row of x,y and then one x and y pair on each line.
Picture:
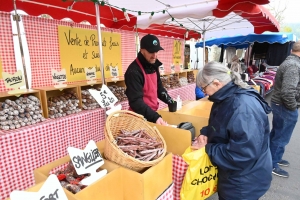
x,y
69,179
62,105
21,112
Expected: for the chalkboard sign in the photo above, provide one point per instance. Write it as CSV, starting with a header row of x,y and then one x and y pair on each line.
x,y
59,78
87,161
51,190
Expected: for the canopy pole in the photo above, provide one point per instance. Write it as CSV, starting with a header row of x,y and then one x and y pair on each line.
x,y
100,42
203,34
17,19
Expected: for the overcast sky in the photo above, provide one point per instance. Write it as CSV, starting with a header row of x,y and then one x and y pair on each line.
x,y
291,14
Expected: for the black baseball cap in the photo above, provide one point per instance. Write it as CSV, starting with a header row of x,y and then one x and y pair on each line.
x,y
150,43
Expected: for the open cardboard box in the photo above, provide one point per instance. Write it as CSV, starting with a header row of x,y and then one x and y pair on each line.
x,y
147,185
108,187
177,140
120,183
150,184
38,186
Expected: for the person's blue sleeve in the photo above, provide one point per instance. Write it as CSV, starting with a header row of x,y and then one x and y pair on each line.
x,y
199,93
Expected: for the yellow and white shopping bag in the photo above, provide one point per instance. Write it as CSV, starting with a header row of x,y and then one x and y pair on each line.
x,y
201,177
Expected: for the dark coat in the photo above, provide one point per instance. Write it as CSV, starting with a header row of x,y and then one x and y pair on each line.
x,y
134,80
238,142
287,83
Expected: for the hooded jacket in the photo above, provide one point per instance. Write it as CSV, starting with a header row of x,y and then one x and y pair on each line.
x,y
287,83
134,80
238,142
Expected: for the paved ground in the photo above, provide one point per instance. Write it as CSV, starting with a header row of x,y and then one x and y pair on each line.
x,y
285,188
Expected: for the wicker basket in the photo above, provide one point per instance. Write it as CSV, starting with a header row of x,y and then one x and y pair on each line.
x,y
129,121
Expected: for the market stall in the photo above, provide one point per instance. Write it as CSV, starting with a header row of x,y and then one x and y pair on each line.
x,y
264,53
42,143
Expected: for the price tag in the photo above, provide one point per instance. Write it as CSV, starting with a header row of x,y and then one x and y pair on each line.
x,y
51,190
59,77
181,67
114,71
90,74
105,99
172,68
87,161
162,69
14,81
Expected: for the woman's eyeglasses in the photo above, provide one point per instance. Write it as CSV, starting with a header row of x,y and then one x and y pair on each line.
x,y
204,88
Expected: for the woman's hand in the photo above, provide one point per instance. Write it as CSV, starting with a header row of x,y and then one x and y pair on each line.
x,y
199,142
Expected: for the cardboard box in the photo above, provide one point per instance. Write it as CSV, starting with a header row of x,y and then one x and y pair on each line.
x,y
38,186
108,187
177,140
150,184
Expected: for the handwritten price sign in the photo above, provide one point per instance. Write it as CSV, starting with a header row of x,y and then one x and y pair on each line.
x,y
161,69
172,68
59,77
90,73
51,190
87,161
105,98
181,67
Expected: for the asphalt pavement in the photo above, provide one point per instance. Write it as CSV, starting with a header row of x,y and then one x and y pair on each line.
x,y
284,188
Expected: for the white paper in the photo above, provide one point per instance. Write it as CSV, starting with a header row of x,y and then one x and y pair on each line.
x,y
87,161
50,190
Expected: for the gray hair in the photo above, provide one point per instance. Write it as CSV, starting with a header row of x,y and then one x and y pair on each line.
x,y
296,46
215,70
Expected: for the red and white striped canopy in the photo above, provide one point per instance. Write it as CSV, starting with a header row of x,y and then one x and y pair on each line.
x,y
214,17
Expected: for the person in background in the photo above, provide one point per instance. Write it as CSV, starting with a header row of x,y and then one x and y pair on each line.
x,y
199,93
143,84
237,136
235,65
285,102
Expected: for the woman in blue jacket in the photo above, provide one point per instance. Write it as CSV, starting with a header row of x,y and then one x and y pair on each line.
x,y
199,93
237,136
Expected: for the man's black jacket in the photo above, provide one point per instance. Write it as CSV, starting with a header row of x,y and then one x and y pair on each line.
x,y
134,80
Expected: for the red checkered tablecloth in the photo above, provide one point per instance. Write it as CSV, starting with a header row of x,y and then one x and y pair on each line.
x,y
179,169
167,194
28,148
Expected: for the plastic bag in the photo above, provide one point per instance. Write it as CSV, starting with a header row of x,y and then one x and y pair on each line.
x,y
201,177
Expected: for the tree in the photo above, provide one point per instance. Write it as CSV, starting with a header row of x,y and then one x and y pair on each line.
x,y
286,29
277,9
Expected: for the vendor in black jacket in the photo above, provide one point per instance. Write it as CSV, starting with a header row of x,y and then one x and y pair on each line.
x,y
143,84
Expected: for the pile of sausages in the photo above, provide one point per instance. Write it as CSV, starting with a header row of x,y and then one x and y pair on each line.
x,y
119,92
174,81
69,179
21,112
191,77
139,145
65,104
164,80
183,81
88,101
